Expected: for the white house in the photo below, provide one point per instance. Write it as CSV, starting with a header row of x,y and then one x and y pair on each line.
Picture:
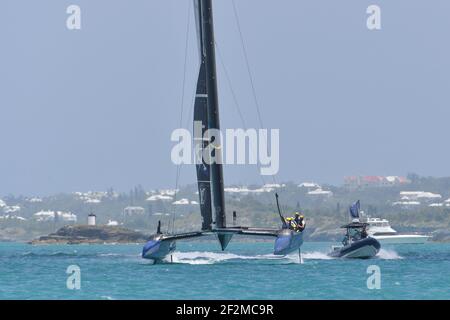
x,y
159,197
132,211
51,215
436,205
320,192
11,209
243,190
11,217
309,185
415,195
407,204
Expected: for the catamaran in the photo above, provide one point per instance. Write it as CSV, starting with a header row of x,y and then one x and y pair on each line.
x,y
210,175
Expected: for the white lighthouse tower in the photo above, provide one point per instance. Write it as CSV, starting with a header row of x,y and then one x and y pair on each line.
x,y
91,219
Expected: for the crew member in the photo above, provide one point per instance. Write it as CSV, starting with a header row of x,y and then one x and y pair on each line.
x,y
300,222
291,223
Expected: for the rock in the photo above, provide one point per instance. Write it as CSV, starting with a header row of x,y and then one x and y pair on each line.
x,y
91,234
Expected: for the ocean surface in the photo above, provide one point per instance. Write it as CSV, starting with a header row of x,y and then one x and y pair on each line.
x,y
201,271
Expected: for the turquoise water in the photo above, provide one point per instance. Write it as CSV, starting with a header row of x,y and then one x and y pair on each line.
x,y
199,271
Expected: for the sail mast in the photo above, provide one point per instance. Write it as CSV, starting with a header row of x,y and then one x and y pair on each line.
x,y
200,141
213,112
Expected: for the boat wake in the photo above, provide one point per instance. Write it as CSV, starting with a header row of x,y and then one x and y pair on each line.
x,y
111,255
199,258
205,257
315,255
386,254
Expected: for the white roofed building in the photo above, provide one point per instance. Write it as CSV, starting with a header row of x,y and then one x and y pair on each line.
x,y
309,186
161,197
407,204
181,202
436,205
11,209
243,190
420,194
132,211
112,223
412,199
55,215
320,193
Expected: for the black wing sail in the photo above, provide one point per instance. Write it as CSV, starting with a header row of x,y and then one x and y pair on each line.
x,y
217,183
216,170
200,141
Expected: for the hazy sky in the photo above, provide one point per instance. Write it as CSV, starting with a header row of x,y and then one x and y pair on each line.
x,y
94,108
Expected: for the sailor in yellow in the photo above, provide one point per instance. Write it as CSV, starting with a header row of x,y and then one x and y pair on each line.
x,y
291,223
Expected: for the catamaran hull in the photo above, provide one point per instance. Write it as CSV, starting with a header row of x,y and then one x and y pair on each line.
x,y
157,250
362,249
402,239
288,241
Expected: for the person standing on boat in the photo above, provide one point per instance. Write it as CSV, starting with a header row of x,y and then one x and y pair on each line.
x,y
300,222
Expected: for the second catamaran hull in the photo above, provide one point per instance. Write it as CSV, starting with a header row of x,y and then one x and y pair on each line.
x,y
288,241
159,246
157,250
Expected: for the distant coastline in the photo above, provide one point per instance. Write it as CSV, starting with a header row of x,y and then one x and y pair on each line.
x,y
412,205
